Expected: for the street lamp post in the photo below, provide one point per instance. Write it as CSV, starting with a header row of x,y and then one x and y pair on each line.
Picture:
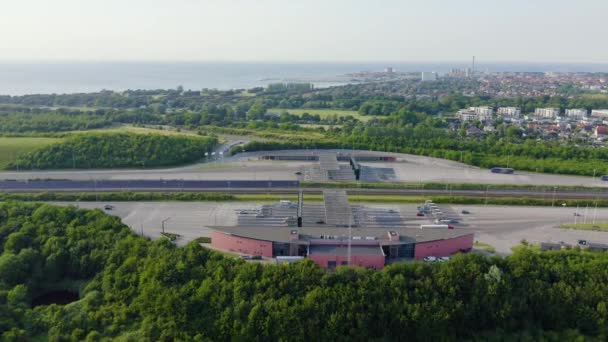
x,y
163,223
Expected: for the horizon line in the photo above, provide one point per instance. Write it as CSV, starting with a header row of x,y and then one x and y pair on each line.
x,y
346,62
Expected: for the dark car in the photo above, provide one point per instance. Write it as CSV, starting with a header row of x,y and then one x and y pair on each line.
x,y
465,212
108,207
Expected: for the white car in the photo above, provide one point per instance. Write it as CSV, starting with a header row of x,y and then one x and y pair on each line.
x,y
430,259
445,258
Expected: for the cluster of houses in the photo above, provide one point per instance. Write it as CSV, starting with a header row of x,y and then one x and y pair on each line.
x,y
549,123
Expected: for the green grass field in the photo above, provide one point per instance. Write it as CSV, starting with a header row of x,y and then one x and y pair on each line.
x,y
11,147
138,130
323,113
599,226
486,247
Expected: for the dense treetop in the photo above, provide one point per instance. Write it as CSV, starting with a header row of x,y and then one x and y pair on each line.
x,y
133,289
112,150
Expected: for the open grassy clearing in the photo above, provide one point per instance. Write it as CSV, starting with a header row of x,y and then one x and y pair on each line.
x,y
324,113
599,226
213,166
484,246
595,96
11,147
326,127
80,108
138,130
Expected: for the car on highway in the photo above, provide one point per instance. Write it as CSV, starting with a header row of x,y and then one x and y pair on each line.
x,y
430,259
108,207
577,214
245,257
420,214
466,212
298,173
443,259
256,257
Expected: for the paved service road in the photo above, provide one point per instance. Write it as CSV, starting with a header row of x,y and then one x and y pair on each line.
x,y
500,226
246,166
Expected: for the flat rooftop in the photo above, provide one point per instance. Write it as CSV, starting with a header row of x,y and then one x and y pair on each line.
x,y
342,250
359,235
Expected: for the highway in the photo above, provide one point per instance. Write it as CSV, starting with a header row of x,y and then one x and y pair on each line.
x,y
247,166
272,186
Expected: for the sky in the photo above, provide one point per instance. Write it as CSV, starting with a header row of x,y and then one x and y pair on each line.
x,y
569,31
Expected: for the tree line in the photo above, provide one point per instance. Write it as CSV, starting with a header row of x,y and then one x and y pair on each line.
x,y
115,150
134,289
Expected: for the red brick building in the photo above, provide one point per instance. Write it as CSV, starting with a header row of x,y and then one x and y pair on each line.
x,y
329,247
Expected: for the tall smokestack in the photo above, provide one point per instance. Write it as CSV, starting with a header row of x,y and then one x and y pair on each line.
x,y
473,67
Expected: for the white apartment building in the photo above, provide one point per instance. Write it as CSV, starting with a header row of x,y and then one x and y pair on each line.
x,y
485,110
576,113
466,115
547,112
600,113
511,112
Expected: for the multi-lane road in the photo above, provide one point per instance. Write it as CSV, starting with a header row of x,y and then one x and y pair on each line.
x,y
246,173
277,186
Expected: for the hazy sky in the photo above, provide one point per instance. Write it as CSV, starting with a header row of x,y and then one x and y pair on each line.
x,y
305,30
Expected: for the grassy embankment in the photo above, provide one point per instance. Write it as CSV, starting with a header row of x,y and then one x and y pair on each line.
x,y
12,147
450,186
599,226
216,197
162,130
325,113
484,246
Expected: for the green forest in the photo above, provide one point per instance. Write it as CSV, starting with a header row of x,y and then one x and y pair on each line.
x,y
115,150
396,124
132,289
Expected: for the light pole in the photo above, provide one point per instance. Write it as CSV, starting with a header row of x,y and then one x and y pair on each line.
x,y
595,211
163,223
553,201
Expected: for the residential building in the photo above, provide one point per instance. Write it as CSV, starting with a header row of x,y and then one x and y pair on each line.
x,y
484,111
483,114
576,113
473,131
600,131
511,112
467,115
547,112
599,113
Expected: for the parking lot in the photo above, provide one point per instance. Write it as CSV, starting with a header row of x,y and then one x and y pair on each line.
x,y
502,227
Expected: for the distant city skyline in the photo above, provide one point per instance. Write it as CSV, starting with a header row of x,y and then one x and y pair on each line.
x,y
389,31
